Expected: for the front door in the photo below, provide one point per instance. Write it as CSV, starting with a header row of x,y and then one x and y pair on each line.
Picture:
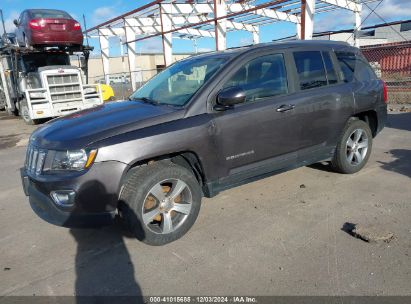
x,y
259,135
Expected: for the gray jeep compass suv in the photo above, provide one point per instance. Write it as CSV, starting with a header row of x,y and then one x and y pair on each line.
x,y
205,124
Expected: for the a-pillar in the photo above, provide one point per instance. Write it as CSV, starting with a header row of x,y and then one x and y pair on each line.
x,y
220,9
104,50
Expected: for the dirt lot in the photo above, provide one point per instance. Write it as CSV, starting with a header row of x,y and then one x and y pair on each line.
x,y
278,236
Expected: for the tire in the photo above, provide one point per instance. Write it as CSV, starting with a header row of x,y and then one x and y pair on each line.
x,y
147,215
354,147
25,113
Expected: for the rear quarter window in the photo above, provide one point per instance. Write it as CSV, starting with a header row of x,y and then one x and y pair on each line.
x,y
354,66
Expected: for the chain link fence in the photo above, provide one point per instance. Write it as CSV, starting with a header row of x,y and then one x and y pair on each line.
x,y
392,63
121,83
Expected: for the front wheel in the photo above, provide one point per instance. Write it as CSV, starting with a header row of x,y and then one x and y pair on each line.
x,y
160,202
354,148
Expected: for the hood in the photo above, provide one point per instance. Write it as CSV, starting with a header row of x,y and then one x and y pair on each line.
x,y
80,129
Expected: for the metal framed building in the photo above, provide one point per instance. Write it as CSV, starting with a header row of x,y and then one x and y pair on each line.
x,y
190,19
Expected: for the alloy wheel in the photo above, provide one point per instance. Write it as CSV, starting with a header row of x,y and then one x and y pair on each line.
x,y
356,147
167,206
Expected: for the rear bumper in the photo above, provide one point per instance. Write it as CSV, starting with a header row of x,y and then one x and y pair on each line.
x,y
95,200
381,118
58,38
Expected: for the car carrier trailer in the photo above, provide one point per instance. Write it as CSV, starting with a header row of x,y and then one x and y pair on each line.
x,y
41,83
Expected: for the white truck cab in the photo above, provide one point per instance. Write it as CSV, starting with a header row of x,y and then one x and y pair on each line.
x,y
43,84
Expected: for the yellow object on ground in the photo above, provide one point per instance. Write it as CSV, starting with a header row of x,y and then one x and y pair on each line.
x,y
106,92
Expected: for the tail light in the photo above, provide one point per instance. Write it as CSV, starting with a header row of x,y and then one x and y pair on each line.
x,y
35,24
385,91
77,26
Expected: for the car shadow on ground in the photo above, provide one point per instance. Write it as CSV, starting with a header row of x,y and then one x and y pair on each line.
x,y
401,121
322,166
401,164
104,270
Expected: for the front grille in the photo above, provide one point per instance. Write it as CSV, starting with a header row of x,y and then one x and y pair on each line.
x,y
65,96
62,79
64,87
35,160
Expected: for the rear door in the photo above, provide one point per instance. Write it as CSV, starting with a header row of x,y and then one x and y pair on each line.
x,y
259,135
323,103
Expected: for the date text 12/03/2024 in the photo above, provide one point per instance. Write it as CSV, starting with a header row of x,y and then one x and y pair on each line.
x,y
203,299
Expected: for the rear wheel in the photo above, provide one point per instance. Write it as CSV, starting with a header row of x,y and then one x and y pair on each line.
x,y
160,202
354,148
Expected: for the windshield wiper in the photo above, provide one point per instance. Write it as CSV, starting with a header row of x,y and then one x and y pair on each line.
x,y
145,100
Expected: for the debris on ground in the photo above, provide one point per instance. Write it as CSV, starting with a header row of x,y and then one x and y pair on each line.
x,y
6,268
369,234
302,186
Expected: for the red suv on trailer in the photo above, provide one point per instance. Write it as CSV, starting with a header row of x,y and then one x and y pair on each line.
x,y
47,27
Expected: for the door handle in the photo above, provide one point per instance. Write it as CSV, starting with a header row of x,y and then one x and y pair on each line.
x,y
285,108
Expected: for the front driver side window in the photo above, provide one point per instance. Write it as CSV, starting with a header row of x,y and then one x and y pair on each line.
x,y
261,77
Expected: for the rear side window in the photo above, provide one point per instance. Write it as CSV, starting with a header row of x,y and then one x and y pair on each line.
x,y
331,75
353,66
261,77
310,69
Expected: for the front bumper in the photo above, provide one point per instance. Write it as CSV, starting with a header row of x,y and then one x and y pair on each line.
x,y
95,201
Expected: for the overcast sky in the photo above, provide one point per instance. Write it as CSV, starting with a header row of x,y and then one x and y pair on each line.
x,y
102,10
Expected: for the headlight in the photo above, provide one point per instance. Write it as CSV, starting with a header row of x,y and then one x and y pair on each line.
x,y
72,160
37,95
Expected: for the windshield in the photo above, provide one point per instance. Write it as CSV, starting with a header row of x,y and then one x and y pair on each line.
x,y
31,62
178,83
47,13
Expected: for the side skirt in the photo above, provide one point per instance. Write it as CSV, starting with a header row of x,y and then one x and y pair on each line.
x,y
213,188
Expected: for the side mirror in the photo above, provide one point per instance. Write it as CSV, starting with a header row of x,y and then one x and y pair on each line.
x,y
16,23
229,97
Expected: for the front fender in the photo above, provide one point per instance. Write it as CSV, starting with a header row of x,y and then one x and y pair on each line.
x,y
192,134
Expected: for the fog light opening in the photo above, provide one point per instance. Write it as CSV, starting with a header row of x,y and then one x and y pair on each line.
x,y
63,198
